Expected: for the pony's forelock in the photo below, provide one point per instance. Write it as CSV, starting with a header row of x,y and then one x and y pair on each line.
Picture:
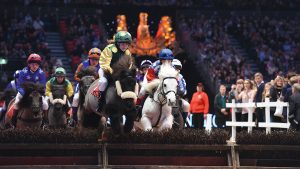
x,y
90,71
167,71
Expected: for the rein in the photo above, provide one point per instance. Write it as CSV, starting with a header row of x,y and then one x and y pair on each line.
x,y
32,120
164,101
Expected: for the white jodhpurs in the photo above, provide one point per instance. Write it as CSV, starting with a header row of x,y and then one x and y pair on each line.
x,y
75,100
102,80
185,105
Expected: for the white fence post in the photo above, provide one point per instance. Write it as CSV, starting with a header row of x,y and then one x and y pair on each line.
x,y
208,123
250,117
233,119
268,115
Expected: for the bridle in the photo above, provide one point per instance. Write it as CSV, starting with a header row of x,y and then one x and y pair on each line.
x,y
162,92
164,95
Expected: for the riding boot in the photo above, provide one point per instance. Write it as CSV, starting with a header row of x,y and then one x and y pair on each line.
x,y
139,106
45,117
74,113
14,117
101,102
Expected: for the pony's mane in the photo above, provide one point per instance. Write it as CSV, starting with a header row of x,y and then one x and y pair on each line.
x,y
58,91
167,71
29,87
122,65
90,71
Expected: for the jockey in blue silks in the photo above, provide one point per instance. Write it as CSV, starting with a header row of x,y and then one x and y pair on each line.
x,y
93,60
12,85
31,73
165,57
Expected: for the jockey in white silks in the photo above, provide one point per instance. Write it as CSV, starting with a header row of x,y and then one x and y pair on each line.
x,y
151,82
181,91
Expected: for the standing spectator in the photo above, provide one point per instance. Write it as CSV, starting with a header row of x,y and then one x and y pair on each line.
x,y
234,95
294,113
260,85
266,92
247,95
199,107
276,94
222,114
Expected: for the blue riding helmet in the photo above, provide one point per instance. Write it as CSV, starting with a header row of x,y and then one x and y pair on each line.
x,y
16,74
166,54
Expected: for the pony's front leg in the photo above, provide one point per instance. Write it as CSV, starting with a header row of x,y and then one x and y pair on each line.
x,y
146,123
115,123
167,123
130,117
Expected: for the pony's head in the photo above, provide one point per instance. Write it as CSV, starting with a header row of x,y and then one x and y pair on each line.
x,y
168,86
32,97
87,77
58,92
127,87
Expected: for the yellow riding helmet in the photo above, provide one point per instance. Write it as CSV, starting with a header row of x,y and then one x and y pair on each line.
x,y
94,53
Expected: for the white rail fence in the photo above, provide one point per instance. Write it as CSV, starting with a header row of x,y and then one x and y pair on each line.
x,y
250,124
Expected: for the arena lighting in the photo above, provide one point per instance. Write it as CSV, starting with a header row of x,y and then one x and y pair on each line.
x,y
144,44
3,61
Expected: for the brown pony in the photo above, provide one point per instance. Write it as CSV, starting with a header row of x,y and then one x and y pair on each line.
x,y
7,96
30,107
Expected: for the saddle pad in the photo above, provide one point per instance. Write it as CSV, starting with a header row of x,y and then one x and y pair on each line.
x,y
95,92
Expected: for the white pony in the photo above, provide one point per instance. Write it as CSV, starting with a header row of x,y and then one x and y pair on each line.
x,y
157,109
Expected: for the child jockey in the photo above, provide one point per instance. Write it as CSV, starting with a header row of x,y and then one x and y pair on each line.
x,y
59,79
144,66
31,73
93,60
109,56
181,91
11,86
165,57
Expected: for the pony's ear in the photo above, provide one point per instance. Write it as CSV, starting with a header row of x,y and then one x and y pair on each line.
x,y
133,71
89,71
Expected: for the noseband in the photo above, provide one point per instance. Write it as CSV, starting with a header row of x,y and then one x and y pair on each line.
x,y
162,88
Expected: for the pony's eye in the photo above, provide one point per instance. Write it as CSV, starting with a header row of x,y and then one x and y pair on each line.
x,y
165,85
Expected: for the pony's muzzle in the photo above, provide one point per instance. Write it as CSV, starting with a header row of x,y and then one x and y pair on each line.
x,y
35,110
171,103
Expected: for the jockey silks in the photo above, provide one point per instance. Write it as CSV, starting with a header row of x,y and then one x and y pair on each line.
x,y
28,76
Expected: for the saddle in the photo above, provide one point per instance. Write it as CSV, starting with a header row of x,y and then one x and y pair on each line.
x,y
96,92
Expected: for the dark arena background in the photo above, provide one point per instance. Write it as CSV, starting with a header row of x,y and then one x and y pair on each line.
x,y
222,45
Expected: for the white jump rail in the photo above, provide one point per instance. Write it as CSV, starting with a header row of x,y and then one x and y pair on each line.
x,y
250,124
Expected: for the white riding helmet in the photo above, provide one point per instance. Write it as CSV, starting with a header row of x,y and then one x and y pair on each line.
x,y
145,64
177,64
